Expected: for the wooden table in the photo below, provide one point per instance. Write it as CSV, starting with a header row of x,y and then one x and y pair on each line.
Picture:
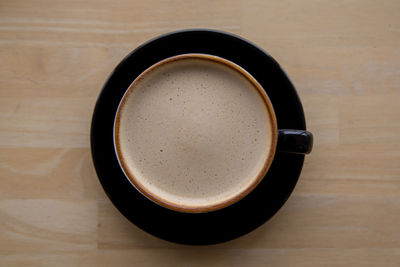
x,y
344,59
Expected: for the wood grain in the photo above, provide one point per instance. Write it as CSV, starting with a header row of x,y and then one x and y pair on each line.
x,y
342,56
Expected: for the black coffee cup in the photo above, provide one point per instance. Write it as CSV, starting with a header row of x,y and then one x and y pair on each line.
x,y
236,218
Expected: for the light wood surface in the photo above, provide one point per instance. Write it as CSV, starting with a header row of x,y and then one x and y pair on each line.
x,y
344,59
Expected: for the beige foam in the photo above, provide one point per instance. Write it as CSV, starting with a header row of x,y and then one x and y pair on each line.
x,y
194,132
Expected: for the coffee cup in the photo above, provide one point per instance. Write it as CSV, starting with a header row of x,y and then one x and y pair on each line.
x,y
197,133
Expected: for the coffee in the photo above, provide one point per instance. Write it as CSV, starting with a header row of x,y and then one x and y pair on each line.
x,y
194,132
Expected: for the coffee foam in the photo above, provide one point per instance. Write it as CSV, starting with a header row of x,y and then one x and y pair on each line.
x,y
193,132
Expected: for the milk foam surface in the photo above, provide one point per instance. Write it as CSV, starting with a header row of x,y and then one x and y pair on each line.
x,y
194,132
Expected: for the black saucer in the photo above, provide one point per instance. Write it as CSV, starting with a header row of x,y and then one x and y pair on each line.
x,y
204,228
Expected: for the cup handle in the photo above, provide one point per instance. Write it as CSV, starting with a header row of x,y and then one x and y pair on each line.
x,y
294,141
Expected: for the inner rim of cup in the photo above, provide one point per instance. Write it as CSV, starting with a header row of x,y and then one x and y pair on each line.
x,y
215,206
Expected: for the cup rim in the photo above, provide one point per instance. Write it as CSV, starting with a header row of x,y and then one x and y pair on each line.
x,y
135,182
